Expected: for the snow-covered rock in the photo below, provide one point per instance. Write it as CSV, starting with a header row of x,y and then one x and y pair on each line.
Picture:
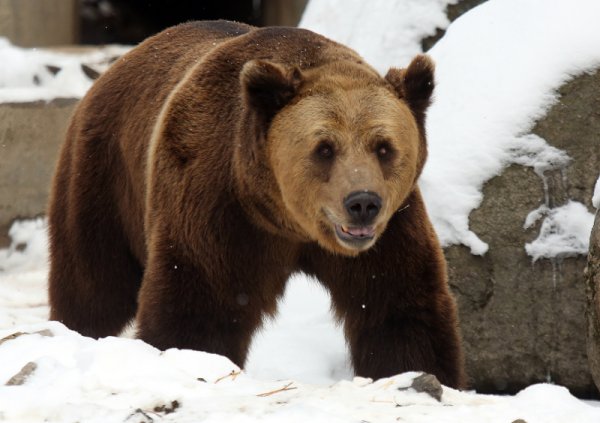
x,y
525,320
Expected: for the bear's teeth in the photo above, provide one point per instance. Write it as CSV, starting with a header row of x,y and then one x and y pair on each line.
x,y
345,229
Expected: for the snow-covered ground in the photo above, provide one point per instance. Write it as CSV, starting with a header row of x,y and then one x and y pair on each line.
x,y
122,380
497,70
297,371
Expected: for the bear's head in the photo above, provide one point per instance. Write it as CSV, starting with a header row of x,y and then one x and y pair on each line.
x,y
344,147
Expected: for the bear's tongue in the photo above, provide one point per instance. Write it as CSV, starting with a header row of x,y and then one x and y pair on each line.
x,y
366,231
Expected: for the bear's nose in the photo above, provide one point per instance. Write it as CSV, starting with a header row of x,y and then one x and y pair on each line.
x,y
363,206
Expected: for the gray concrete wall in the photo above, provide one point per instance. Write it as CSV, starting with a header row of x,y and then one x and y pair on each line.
x,y
30,138
283,12
36,23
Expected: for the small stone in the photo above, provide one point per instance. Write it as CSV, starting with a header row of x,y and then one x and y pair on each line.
x,y
519,421
21,377
90,72
428,384
53,69
167,409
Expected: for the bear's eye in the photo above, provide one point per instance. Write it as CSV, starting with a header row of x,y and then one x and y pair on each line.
x,y
325,150
384,150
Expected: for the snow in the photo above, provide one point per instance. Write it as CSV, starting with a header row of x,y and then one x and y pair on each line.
x,y
318,359
565,231
23,273
121,380
363,25
26,74
297,370
497,71
29,246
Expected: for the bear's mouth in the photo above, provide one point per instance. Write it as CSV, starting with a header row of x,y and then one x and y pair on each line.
x,y
356,235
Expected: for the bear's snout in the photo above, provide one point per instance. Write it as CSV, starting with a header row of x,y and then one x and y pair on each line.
x,y
362,207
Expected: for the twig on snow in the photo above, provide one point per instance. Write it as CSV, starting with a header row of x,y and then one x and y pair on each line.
x,y
232,375
287,387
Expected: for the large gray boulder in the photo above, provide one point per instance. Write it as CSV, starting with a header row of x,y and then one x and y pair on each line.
x,y
524,322
593,302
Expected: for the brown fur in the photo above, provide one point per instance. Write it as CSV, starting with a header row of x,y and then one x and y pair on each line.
x,y
197,176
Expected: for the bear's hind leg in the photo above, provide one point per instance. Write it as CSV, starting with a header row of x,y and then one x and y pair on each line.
x,y
94,278
93,284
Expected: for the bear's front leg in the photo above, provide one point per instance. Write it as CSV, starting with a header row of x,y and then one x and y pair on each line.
x,y
211,302
395,303
390,340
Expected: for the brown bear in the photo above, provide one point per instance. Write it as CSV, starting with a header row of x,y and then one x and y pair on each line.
x,y
216,159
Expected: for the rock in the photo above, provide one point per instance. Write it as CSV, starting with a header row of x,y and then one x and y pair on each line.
x,y
90,72
21,377
167,409
523,322
54,70
593,302
428,384
30,137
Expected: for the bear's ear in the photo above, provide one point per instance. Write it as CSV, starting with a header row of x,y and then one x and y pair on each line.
x,y
268,86
414,84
